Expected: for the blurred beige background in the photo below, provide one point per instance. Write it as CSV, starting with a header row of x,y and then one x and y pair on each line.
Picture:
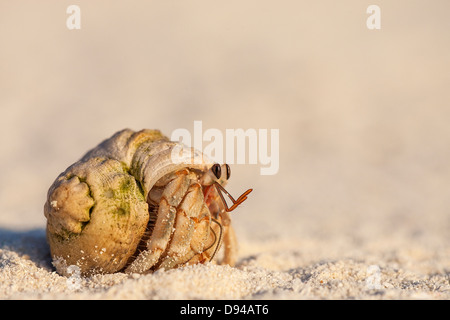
x,y
363,114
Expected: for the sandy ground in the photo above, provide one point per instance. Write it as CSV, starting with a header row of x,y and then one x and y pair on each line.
x,y
360,207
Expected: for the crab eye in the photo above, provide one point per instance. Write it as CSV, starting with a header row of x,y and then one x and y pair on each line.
x,y
228,171
217,170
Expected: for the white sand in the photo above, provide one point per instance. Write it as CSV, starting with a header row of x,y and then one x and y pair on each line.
x,y
360,208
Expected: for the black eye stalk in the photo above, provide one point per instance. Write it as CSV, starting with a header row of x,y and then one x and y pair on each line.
x,y
217,170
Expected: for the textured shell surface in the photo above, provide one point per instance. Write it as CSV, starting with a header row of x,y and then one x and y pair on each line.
x,y
98,211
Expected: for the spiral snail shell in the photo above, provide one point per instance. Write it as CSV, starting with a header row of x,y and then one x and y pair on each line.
x,y
126,206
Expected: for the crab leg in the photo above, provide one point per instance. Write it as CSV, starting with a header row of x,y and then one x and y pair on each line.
x,y
157,244
191,229
230,245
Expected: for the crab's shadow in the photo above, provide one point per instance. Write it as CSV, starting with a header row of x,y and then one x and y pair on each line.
x,y
29,244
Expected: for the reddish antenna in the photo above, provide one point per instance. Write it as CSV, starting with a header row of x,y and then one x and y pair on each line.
x,y
237,202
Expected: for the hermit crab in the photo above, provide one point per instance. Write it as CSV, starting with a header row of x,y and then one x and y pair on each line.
x,y
126,205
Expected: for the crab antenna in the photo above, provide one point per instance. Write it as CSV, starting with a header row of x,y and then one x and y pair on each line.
x,y
215,240
237,202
